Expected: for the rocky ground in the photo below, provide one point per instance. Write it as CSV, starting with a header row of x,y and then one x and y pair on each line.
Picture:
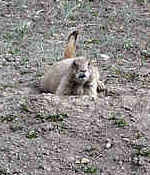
x,y
42,134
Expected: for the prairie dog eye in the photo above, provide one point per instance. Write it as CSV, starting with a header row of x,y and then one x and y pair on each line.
x,y
74,64
89,63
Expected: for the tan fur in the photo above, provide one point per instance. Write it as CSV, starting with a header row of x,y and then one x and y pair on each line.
x,y
65,78
51,79
70,49
73,76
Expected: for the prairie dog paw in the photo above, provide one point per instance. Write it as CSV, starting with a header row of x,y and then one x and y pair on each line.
x,y
100,86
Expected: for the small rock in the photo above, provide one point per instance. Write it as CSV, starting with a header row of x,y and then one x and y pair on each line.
x,y
106,57
71,159
108,143
85,161
88,148
126,139
77,162
138,160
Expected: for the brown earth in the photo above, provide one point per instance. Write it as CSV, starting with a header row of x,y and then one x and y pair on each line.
x,y
42,134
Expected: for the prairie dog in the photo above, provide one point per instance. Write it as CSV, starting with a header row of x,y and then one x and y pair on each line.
x,y
75,76
51,79
81,79
70,49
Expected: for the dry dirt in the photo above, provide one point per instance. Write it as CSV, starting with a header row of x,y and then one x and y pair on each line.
x,y
42,134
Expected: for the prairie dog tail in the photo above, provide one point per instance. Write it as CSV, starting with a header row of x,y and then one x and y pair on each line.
x,y
70,48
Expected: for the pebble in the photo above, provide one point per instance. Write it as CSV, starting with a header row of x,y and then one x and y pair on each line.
x,y
108,144
85,161
82,161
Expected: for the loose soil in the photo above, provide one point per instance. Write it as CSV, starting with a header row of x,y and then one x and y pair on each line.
x,y
42,134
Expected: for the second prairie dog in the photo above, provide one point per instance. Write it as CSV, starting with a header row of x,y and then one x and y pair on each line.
x,y
75,76
70,48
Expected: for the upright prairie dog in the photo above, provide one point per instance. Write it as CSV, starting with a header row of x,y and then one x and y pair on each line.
x,y
75,76
70,48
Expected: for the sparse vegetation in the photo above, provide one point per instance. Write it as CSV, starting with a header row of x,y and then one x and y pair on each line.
x,y
42,134
32,134
87,169
25,107
90,170
142,151
119,122
56,117
52,117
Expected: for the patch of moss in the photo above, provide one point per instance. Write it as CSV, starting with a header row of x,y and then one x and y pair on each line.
x,y
90,169
57,117
119,122
32,134
140,151
25,107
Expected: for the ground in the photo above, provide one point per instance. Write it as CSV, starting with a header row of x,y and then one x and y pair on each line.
x,y
42,134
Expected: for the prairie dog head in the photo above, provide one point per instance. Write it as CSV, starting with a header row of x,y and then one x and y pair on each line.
x,y
81,70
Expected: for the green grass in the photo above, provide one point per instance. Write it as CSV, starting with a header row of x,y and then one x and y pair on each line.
x,y
52,117
90,170
118,121
25,107
32,134
142,151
